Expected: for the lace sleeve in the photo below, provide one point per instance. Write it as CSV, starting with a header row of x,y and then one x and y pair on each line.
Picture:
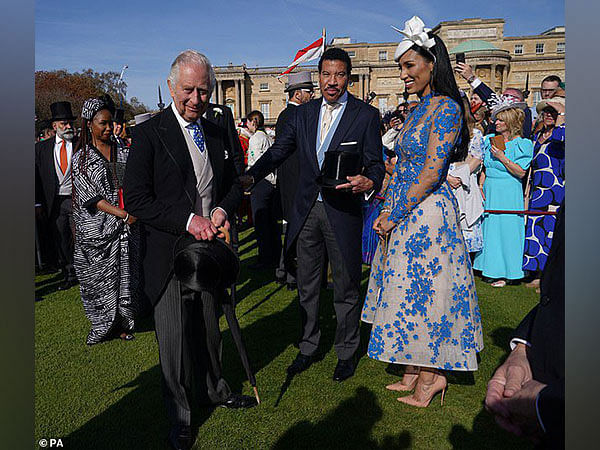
x,y
445,126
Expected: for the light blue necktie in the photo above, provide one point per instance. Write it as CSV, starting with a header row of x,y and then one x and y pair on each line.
x,y
197,135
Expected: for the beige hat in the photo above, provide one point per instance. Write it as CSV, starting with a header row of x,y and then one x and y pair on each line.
x,y
545,103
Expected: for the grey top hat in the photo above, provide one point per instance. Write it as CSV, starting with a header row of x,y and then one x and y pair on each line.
x,y
299,80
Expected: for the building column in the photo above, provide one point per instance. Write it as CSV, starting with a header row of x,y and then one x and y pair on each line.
x,y
238,100
243,94
493,78
367,83
361,87
218,96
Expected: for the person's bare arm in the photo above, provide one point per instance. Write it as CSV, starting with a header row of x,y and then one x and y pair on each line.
x,y
106,207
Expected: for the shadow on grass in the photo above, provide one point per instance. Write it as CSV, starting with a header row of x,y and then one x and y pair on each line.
x,y
486,434
349,426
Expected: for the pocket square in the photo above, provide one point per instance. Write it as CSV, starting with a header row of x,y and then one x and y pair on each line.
x,y
226,154
349,143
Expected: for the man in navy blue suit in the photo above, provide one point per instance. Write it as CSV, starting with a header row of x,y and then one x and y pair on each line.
x,y
328,217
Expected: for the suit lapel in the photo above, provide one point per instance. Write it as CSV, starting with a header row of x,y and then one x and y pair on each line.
x,y
172,138
312,124
49,171
348,117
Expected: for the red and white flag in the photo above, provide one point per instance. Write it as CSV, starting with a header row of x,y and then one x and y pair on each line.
x,y
313,51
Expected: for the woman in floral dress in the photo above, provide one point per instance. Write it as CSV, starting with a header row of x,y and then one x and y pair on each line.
x,y
421,296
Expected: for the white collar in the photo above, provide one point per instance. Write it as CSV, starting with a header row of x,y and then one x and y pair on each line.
x,y
182,122
58,141
342,100
293,103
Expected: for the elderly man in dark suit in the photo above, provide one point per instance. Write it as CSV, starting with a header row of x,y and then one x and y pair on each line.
x,y
53,187
181,177
328,217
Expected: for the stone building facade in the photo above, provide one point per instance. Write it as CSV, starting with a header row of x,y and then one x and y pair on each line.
x,y
500,61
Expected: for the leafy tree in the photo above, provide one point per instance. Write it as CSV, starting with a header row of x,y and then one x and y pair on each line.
x,y
60,85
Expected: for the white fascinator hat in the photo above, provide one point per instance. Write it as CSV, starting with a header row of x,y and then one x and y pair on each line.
x,y
415,33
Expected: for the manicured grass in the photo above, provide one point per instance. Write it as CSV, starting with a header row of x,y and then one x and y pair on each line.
x,y
108,396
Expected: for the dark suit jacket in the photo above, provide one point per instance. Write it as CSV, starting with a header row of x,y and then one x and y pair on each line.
x,y
287,174
224,119
46,181
485,93
160,190
359,122
544,329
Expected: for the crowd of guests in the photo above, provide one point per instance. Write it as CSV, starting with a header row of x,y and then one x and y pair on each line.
x,y
446,185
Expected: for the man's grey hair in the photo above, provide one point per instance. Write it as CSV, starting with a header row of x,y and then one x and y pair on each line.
x,y
192,57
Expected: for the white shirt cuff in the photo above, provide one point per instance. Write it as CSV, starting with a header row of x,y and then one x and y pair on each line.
x,y
515,341
218,207
187,225
476,82
537,411
38,204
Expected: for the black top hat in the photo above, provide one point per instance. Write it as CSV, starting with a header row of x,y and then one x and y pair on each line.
x,y
61,111
119,115
338,165
204,265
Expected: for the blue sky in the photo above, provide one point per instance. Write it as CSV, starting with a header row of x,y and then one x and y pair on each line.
x,y
147,35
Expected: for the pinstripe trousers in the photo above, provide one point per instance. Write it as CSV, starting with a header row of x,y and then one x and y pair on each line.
x,y
189,344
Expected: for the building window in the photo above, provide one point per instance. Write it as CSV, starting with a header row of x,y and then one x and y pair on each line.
x,y
265,109
382,55
518,49
539,48
264,86
560,47
351,53
537,97
382,102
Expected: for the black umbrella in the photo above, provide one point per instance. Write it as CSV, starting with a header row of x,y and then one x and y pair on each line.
x,y
213,265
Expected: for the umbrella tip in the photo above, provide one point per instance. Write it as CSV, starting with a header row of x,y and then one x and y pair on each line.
x,y
256,394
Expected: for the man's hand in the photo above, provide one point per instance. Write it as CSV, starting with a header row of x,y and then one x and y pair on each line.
x,y
454,182
522,417
131,220
219,219
507,380
358,184
202,229
464,70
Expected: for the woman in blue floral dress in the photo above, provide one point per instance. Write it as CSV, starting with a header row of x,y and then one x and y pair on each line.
x,y
421,296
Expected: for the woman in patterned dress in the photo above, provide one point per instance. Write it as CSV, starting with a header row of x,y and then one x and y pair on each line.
x,y
421,296
547,185
102,228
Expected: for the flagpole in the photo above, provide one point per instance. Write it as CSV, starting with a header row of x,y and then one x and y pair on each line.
x,y
324,38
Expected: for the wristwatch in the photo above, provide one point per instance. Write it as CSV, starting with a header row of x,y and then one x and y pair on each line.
x,y
471,79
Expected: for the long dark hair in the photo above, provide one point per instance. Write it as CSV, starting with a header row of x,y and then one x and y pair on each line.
x,y
444,83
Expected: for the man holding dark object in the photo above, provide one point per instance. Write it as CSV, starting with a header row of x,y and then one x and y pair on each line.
x,y
53,187
180,177
340,128
527,393
300,90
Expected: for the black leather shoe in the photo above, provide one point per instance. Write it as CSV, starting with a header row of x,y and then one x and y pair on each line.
x,y
180,437
236,401
300,364
344,369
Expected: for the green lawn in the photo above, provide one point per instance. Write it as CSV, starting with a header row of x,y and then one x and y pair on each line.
x,y
108,396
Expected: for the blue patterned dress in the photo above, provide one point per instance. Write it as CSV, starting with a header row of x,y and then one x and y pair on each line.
x,y
547,193
421,297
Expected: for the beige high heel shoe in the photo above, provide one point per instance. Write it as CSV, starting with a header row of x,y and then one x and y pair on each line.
x,y
424,393
405,385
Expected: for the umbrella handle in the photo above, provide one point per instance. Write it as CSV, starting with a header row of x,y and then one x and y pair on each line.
x,y
225,231
256,394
